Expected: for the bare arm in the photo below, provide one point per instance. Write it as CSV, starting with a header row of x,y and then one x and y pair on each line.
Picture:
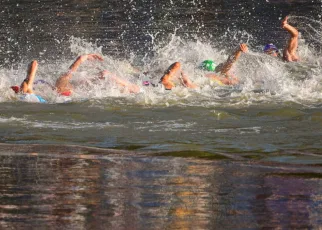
x,y
187,82
172,72
62,83
290,50
28,82
232,80
233,58
80,60
132,88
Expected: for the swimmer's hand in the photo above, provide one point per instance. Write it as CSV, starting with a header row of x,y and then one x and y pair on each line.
x,y
243,47
79,61
168,85
224,68
91,57
284,21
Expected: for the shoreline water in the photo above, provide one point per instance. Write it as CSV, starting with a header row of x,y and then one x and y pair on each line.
x,y
94,188
287,158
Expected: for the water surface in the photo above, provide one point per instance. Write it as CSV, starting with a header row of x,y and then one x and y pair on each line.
x,y
247,156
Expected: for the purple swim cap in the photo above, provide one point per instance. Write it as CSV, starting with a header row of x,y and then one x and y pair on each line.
x,y
270,47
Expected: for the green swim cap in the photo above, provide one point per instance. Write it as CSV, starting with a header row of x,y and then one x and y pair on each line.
x,y
208,65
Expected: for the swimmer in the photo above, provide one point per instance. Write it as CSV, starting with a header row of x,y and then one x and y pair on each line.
x,y
289,53
62,86
222,75
26,87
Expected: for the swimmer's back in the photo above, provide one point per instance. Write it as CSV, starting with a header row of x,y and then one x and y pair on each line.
x,y
33,98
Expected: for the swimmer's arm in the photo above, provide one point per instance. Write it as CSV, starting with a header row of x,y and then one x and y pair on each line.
x,y
233,80
62,83
293,42
28,82
233,58
83,58
73,68
132,88
187,82
167,78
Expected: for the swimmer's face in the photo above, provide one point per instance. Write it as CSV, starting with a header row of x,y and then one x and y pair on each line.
x,y
272,52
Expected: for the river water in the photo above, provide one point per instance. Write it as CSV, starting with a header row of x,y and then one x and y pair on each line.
x,y
217,157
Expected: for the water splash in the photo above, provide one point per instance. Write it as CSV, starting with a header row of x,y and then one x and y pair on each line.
x,y
263,78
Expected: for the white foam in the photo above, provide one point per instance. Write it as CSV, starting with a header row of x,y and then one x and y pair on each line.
x,y
56,125
263,78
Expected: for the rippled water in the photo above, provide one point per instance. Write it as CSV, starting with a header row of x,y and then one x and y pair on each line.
x,y
217,157
126,190
267,130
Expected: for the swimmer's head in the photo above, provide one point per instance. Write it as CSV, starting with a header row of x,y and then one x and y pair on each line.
x,y
149,83
146,83
15,88
271,49
208,65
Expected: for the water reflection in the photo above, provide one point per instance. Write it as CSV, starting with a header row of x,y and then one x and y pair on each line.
x,y
114,192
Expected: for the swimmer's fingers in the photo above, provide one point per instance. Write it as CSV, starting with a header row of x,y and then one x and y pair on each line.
x,y
243,48
284,21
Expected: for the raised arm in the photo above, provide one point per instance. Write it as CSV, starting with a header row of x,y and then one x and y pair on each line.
x,y
290,49
62,84
28,82
80,60
233,58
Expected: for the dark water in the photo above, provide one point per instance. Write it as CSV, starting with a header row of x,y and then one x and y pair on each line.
x,y
71,190
258,130
41,29
245,157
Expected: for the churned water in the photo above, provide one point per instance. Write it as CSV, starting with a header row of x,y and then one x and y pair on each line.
x,y
216,157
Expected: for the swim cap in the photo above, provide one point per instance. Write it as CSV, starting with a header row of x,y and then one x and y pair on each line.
x,y
270,47
208,65
66,93
146,83
15,88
